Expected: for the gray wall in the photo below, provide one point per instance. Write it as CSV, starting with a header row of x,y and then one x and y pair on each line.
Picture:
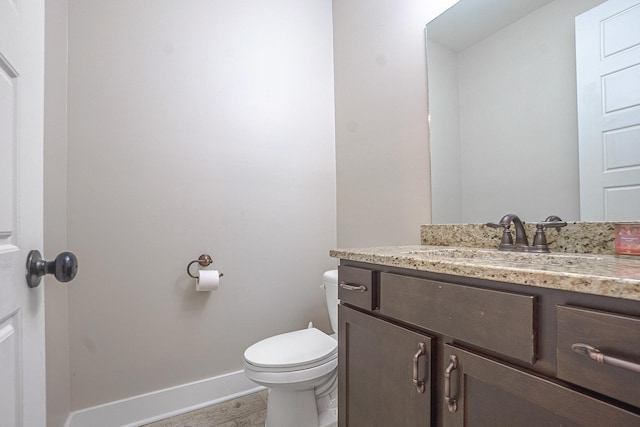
x,y
209,127
381,120
194,126
55,210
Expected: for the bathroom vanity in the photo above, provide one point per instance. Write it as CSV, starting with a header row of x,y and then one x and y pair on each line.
x,y
449,336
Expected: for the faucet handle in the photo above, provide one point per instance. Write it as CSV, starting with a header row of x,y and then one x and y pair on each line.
x,y
507,237
494,225
540,238
553,221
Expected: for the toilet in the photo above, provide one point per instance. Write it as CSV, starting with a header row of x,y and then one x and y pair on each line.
x,y
300,370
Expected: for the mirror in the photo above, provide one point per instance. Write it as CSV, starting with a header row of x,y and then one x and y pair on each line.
x,y
502,110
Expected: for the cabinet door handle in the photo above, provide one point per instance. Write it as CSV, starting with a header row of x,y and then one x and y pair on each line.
x,y
598,356
451,401
422,350
361,288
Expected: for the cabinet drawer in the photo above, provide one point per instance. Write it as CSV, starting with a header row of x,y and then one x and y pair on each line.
x,y
486,392
615,336
498,321
357,286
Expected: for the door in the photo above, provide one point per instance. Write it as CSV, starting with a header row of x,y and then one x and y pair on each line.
x,y
22,373
608,79
384,373
480,391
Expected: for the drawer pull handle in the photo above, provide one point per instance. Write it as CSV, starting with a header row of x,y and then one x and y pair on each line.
x,y
598,356
422,350
451,401
361,288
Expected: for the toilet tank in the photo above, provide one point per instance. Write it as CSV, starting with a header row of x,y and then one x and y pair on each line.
x,y
330,286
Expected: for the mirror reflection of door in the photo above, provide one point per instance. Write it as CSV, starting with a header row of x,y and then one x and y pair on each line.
x,y
608,82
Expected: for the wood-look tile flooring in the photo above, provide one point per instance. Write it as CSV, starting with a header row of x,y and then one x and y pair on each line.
x,y
245,411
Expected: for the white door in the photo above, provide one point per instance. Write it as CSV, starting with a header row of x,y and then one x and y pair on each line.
x,y
608,78
22,372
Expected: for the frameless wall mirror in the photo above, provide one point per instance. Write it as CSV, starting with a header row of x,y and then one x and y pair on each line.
x,y
502,110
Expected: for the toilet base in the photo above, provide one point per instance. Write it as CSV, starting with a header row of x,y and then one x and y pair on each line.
x,y
328,404
308,410
288,408
328,418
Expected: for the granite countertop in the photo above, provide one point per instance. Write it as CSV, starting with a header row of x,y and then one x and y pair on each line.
x,y
599,274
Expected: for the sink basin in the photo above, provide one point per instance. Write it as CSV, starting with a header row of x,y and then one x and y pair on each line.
x,y
493,255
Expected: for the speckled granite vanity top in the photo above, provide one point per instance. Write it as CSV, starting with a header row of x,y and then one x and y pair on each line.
x,y
594,273
605,275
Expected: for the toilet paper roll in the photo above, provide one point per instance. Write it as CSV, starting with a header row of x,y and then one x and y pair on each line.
x,y
208,280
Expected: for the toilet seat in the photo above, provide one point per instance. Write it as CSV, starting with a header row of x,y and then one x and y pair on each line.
x,y
309,378
292,351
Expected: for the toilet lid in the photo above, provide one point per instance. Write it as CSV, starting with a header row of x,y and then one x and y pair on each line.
x,y
293,349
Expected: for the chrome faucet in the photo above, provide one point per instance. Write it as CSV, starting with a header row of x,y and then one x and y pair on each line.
x,y
522,242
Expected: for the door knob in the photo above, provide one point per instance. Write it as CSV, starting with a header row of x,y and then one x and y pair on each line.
x,y
64,267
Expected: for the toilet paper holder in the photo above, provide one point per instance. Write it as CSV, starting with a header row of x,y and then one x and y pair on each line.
x,y
204,260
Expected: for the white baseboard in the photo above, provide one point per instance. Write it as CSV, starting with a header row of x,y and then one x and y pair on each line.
x,y
160,404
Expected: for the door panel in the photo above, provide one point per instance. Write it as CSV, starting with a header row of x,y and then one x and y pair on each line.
x,y
9,380
10,387
621,147
8,118
22,375
621,30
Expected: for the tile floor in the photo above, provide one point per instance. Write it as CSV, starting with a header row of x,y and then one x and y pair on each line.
x,y
245,411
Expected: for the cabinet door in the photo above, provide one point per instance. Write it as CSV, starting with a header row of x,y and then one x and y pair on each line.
x,y
483,392
377,365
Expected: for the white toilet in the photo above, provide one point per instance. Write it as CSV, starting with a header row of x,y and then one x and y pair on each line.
x,y
300,370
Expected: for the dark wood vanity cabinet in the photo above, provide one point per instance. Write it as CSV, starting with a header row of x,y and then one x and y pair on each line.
x,y
485,353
